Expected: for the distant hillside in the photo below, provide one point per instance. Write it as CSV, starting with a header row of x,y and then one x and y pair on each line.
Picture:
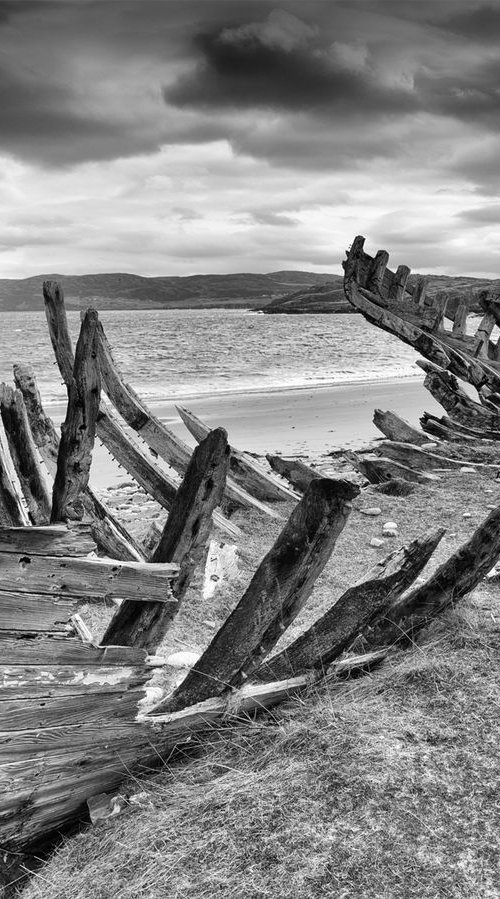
x,y
329,297
125,291
318,298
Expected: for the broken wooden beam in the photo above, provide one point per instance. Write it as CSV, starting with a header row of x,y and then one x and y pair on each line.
x,y
425,460
245,470
78,431
48,540
295,471
446,390
351,613
108,532
24,454
183,541
396,428
378,469
13,509
276,594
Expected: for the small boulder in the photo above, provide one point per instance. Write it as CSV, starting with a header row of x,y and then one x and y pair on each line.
x,y
467,469
467,515
374,510
376,541
390,529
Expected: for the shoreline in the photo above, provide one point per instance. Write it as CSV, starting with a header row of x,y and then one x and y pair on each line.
x,y
307,423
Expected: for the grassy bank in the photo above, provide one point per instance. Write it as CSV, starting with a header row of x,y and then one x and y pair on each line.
x,y
386,786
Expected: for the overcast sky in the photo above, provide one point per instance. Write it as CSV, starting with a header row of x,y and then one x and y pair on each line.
x,y
182,136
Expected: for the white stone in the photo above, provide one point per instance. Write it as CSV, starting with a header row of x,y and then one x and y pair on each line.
x,y
467,469
374,510
467,515
183,659
491,506
429,445
376,541
390,529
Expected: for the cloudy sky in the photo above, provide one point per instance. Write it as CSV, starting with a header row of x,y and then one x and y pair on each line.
x,y
183,136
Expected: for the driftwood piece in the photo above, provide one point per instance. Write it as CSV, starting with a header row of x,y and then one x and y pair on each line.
x,y
183,541
437,427
378,469
48,540
12,509
365,601
295,471
46,649
396,428
245,470
108,532
24,454
421,459
79,428
456,577
87,578
445,388
276,594
28,612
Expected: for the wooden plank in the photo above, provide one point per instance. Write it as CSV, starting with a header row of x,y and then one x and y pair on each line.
x,y
396,428
79,427
50,650
352,612
12,509
376,276
24,454
379,469
107,531
88,578
35,612
183,541
460,320
277,592
28,745
52,711
445,389
456,577
25,681
295,471
397,288
246,471
421,459
48,540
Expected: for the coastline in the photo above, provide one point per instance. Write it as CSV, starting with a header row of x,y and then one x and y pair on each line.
x,y
303,422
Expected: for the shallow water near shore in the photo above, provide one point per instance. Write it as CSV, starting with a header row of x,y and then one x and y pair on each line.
x,y
169,354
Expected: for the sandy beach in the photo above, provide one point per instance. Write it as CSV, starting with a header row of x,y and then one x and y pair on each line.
x,y
307,422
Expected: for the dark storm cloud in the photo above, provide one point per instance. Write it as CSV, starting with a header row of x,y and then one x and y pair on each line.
x,y
241,68
472,96
480,24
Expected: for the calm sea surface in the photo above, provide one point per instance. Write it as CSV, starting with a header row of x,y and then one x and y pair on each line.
x,y
181,353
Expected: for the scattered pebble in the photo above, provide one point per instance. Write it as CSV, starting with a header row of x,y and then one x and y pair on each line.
x,y
467,469
429,445
209,623
376,541
491,506
374,510
390,529
467,515
182,659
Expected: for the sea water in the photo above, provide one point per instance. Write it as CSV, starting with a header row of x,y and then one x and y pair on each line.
x,y
174,354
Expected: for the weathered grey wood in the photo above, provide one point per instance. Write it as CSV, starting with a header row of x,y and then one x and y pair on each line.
x,y
12,510
53,711
377,271
295,471
445,389
57,649
474,433
397,288
456,577
460,320
437,427
78,430
420,291
378,469
29,681
98,578
107,531
24,454
183,541
425,460
396,428
483,334
351,613
277,592
438,307
48,540
246,471
35,612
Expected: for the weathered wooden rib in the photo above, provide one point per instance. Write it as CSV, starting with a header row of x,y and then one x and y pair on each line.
x,y
396,428
367,600
183,541
446,390
438,428
295,471
155,434
246,471
24,454
49,649
13,510
53,540
462,431
421,325
98,578
275,595
424,460
108,532
78,430
22,682
378,469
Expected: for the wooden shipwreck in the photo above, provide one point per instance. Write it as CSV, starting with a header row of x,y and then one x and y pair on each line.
x,y
74,722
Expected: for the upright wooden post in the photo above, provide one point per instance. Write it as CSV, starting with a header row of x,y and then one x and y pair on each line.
x,y
419,292
12,511
276,594
79,428
397,288
183,540
24,454
377,272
